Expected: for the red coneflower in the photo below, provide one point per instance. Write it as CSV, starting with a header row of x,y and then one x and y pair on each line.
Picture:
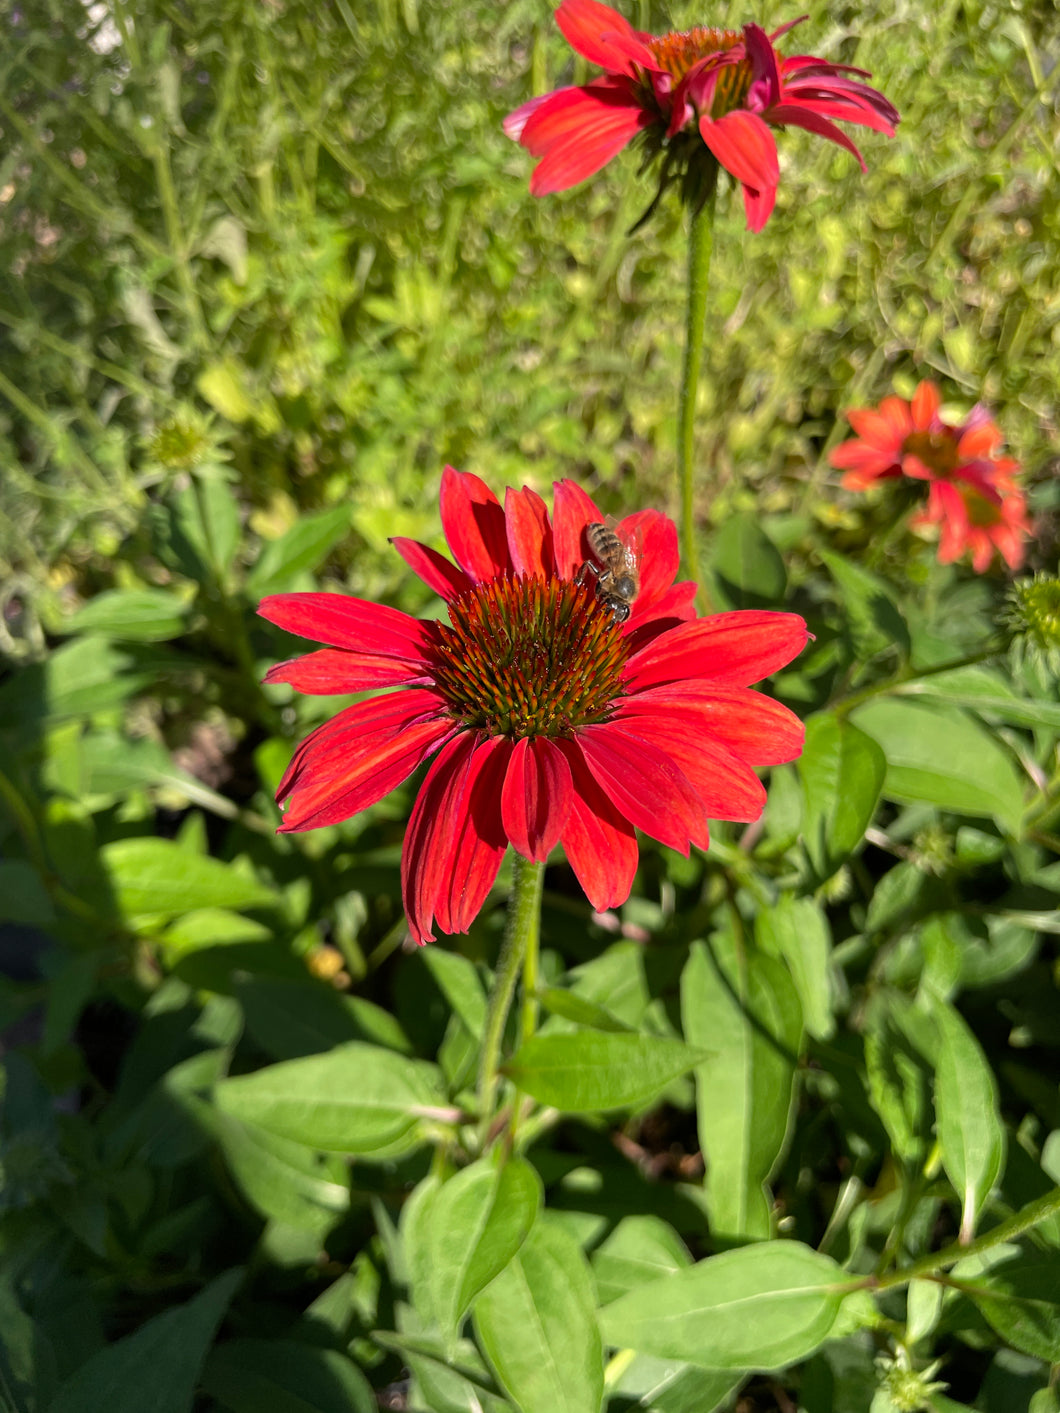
x,y
547,719
972,495
727,86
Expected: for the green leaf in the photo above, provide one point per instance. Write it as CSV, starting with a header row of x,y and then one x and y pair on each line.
x,y
871,613
749,568
1020,1297
284,1180
842,772
746,1010
899,1071
301,548
252,1375
536,1325
23,897
157,878
796,930
459,982
983,691
478,1221
136,615
572,1007
222,385
930,751
293,1018
593,1070
758,1307
355,1099
970,1132
640,1249
158,1366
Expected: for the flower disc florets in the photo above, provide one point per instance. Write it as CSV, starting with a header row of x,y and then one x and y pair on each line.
x,y
530,657
681,50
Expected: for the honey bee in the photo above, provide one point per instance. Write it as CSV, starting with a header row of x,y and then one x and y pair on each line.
x,y
615,571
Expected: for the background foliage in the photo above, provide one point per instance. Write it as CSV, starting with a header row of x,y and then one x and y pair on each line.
x,y
274,265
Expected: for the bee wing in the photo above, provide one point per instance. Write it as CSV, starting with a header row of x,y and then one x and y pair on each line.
x,y
630,534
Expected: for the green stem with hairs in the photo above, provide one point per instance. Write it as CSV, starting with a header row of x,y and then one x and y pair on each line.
x,y
700,245
518,951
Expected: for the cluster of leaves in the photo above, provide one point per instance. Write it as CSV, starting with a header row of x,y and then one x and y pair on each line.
x,y
272,274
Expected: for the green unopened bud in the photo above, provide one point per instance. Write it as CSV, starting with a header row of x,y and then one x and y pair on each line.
x,y
1032,617
906,1389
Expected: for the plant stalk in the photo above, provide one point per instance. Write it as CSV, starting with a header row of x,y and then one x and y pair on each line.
x,y
700,245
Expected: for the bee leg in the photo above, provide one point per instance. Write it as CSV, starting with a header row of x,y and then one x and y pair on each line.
x,y
588,568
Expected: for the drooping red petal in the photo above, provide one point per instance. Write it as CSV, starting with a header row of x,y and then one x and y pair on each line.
x,y
654,537
744,146
590,28
728,649
600,844
579,130
802,116
536,799
475,841
753,726
359,756
336,671
529,533
473,522
343,621
437,572
645,783
572,510
514,123
765,88
676,606
426,845
726,787
758,206
848,109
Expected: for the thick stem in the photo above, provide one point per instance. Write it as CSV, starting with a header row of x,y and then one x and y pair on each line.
x,y
700,243
520,943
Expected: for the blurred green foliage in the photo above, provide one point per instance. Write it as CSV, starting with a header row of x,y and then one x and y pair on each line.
x,y
273,266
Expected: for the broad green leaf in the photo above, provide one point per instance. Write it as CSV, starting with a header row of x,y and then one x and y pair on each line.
x,y
593,1070
968,1119
615,980
982,690
749,568
157,878
284,1180
899,1071
301,548
135,615
842,772
292,1018
763,1306
871,614
578,1009
356,1098
536,1325
796,930
460,984
1020,1297
84,676
158,1366
281,1376
23,897
640,1249
478,1221
930,753
450,1379
745,1011
675,1386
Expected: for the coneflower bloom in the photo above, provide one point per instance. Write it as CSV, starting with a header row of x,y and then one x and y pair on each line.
x,y
545,719
972,494
702,93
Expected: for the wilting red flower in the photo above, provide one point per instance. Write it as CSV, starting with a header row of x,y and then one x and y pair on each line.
x,y
549,722
972,493
722,86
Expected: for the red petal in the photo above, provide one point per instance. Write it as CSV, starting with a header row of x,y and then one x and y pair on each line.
x,y
437,572
515,122
334,671
474,840
645,783
600,844
572,510
536,799
587,27
345,622
744,146
754,727
654,538
529,533
803,116
424,852
725,786
579,131
885,426
676,606
758,206
473,522
728,649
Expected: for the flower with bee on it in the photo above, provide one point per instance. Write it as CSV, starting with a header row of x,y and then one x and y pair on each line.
x,y
615,566
546,717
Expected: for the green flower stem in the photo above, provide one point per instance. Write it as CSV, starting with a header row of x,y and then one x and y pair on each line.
x,y
1023,1220
521,939
700,244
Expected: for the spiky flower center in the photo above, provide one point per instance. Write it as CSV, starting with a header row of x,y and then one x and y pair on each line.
x,y
680,51
1034,612
530,657
937,450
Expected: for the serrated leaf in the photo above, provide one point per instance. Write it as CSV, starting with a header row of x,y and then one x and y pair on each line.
x,y
746,1010
356,1098
536,1325
842,772
970,1132
595,1070
930,753
763,1306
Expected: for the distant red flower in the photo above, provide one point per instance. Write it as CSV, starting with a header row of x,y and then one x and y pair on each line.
x,y
972,493
728,86
548,721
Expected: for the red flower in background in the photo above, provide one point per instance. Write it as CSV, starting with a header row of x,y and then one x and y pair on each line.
x,y
972,494
548,722
730,87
